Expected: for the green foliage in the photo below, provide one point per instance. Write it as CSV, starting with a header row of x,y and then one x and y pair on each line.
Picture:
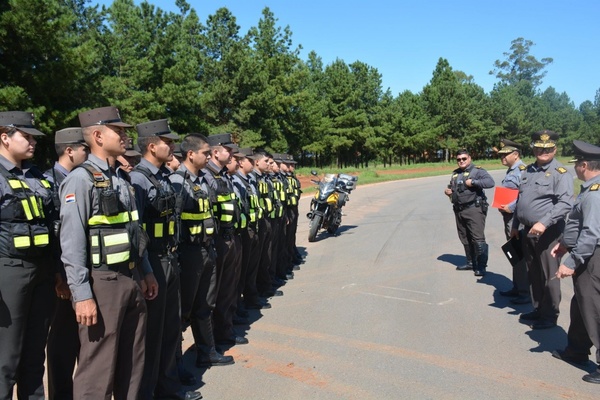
x,y
63,56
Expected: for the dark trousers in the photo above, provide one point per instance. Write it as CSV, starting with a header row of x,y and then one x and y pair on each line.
x,y
292,227
250,260
470,225
229,261
519,271
163,332
283,262
584,329
26,304
198,293
263,277
541,267
62,351
275,243
111,356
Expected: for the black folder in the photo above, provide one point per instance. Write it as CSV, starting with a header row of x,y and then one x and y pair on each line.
x,y
513,251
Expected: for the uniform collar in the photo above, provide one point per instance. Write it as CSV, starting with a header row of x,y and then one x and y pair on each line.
x,y
193,177
60,168
150,166
589,183
516,165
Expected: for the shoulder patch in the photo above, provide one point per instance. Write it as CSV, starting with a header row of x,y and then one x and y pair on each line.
x,y
595,187
70,198
561,170
522,167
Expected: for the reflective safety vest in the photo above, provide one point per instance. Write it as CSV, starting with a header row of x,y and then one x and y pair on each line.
x,y
159,214
225,204
292,194
113,228
197,221
280,196
251,205
24,231
265,199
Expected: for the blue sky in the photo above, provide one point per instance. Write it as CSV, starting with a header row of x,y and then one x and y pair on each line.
x,y
404,39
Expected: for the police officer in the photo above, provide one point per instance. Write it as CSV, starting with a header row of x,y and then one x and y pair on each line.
x,y
196,250
279,222
510,155
100,240
295,183
545,198
470,210
227,239
131,158
155,200
63,339
25,259
293,196
581,239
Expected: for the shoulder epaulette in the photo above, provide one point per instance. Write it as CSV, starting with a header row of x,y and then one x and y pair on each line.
x,y
478,166
522,167
561,170
595,187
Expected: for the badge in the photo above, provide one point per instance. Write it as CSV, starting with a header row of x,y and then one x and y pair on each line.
x,y
70,198
98,176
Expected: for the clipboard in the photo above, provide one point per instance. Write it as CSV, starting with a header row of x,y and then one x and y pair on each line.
x,y
503,196
513,251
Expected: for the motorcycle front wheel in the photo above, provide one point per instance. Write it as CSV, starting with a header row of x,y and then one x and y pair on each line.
x,y
313,227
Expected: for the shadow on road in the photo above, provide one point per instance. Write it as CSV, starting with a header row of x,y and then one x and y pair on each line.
x,y
453,259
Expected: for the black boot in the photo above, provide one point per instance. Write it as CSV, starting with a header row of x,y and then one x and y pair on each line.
x,y
482,258
207,355
470,254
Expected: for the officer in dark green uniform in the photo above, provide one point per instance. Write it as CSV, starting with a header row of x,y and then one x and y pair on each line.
x,y
545,199
100,243
26,268
63,339
470,210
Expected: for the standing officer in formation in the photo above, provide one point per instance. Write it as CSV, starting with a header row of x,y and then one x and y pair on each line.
x,y
510,154
99,241
196,250
25,270
155,199
470,210
581,239
227,240
545,198
63,339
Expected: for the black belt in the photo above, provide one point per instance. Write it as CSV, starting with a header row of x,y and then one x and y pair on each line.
x,y
122,268
460,207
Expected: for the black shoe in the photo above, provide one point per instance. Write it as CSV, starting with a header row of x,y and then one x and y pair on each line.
x,y
258,306
509,293
296,268
278,282
479,272
567,356
271,293
594,377
233,341
465,267
192,395
216,360
521,300
543,324
530,316
289,275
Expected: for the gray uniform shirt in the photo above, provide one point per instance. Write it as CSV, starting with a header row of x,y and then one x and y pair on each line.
x,y
145,191
582,231
512,180
545,195
79,201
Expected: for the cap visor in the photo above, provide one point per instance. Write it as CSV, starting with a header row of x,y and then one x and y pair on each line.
x,y
170,136
30,131
121,124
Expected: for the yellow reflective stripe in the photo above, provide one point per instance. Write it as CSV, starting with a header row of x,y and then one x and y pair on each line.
x,y
96,258
195,229
227,207
158,230
144,227
95,241
171,228
243,221
134,215
109,220
18,184
118,238
210,231
195,216
36,210
41,240
22,242
27,210
117,257
226,218
45,183
224,197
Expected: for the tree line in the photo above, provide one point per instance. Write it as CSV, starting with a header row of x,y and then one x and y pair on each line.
x,y
60,57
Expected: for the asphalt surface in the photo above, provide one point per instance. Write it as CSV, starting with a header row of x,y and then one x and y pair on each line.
x,y
379,312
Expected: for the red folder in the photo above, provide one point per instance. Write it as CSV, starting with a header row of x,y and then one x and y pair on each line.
x,y
504,196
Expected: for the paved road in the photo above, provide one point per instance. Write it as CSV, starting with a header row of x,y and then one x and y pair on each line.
x,y
379,312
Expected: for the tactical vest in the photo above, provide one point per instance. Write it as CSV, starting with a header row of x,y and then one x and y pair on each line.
x,y
24,231
197,222
292,192
265,196
113,228
280,196
159,214
225,205
251,204
461,194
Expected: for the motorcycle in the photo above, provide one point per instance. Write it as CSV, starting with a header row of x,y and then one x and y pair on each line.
x,y
326,206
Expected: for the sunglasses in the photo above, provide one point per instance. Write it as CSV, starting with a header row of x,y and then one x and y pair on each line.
x,y
459,159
